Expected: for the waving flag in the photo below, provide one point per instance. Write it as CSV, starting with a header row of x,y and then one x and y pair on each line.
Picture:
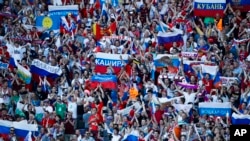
x,y
49,22
213,72
215,108
28,137
240,119
97,31
168,38
103,60
107,81
104,11
68,25
208,8
42,69
133,136
22,128
22,72
242,5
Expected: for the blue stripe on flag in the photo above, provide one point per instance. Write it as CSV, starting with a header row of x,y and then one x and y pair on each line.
x,y
214,111
169,39
210,6
63,12
42,72
104,78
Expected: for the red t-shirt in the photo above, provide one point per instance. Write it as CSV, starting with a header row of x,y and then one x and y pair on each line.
x,y
158,115
93,122
208,84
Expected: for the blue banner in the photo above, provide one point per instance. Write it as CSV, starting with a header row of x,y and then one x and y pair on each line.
x,y
215,108
49,22
104,78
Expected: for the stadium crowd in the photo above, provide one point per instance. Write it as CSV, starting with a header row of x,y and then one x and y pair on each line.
x,y
75,111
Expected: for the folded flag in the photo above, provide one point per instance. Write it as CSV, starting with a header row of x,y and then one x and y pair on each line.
x,y
42,69
107,81
104,60
215,108
240,119
22,128
22,72
208,8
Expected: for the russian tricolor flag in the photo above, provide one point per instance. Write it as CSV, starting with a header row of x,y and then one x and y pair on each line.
x,y
22,128
215,108
133,136
106,81
42,69
104,60
208,8
168,38
240,119
212,70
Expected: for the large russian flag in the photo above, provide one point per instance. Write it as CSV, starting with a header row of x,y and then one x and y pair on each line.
x,y
168,38
215,108
103,60
240,119
22,128
107,81
208,8
42,69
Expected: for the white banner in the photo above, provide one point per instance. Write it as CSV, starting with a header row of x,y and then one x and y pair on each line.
x,y
126,111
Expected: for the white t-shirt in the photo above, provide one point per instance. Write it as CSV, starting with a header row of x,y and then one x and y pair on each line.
x,y
189,97
115,137
119,48
74,81
72,107
49,109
